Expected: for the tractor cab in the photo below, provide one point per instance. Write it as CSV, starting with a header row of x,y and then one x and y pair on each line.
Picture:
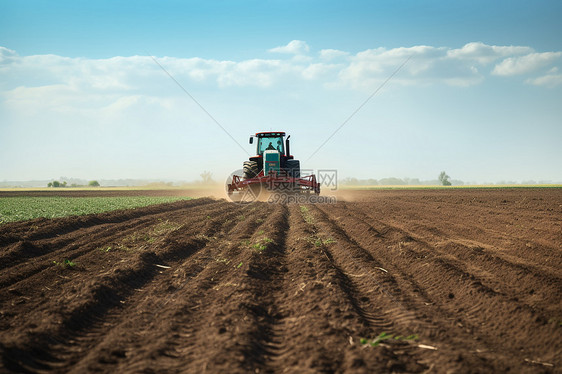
x,y
269,141
272,151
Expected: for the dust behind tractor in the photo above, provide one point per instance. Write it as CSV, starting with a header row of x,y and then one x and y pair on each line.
x,y
273,169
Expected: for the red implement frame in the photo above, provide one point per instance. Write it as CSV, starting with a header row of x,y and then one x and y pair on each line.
x,y
276,182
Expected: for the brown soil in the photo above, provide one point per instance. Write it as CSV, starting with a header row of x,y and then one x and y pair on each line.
x,y
211,286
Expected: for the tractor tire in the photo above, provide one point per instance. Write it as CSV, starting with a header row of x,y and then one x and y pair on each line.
x,y
293,168
250,169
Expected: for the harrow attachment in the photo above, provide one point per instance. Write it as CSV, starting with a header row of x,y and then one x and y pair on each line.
x,y
275,182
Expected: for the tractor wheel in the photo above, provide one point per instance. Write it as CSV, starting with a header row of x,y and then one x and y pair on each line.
x,y
293,168
250,169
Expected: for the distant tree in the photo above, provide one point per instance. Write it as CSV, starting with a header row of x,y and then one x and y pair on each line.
x,y
56,184
93,184
50,184
63,184
207,177
444,179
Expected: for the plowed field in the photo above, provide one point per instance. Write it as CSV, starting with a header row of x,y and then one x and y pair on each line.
x,y
206,285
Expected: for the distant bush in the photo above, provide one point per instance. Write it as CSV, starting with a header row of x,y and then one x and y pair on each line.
x,y
93,184
56,184
444,179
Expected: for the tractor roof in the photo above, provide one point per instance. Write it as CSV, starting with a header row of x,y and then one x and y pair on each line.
x,y
270,134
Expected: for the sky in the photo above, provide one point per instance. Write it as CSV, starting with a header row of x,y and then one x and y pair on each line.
x,y
169,89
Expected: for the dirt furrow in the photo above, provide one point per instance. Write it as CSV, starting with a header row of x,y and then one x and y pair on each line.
x,y
538,289
43,228
177,308
89,304
449,291
29,247
21,278
523,231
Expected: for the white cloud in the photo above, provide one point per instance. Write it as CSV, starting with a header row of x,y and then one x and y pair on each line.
x,y
525,64
296,47
485,54
331,54
549,80
315,71
6,55
427,65
92,82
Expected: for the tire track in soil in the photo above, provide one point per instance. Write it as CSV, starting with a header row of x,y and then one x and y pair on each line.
x,y
25,247
547,260
185,310
482,268
430,287
242,316
80,242
513,238
540,287
43,350
44,228
407,304
71,245
320,318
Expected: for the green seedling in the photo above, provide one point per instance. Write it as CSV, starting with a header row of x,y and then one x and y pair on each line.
x,y
223,260
106,249
386,336
259,247
239,265
65,264
319,242
262,244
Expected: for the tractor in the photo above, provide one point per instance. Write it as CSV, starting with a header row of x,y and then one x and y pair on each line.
x,y
273,168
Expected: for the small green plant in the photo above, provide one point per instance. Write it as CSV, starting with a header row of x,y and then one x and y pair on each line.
x,y
319,242
239,265
223,260
65,264
105,249
259,220
262,244
261,232
308,218
259,247
386,336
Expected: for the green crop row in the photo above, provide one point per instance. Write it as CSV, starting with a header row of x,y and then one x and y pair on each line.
x,y
23,208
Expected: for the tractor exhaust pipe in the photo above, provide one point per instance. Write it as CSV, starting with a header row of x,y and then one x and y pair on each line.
x,y
287,147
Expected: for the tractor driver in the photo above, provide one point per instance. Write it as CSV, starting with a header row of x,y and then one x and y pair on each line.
x,y
270,147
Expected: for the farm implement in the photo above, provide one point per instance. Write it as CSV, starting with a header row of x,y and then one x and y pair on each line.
x,y
273,169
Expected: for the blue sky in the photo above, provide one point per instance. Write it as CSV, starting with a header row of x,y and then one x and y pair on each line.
x,y
480,96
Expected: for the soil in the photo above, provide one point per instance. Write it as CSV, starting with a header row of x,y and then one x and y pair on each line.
x,y
472,277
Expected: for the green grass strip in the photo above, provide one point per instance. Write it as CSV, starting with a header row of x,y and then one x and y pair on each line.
x,y
23,208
